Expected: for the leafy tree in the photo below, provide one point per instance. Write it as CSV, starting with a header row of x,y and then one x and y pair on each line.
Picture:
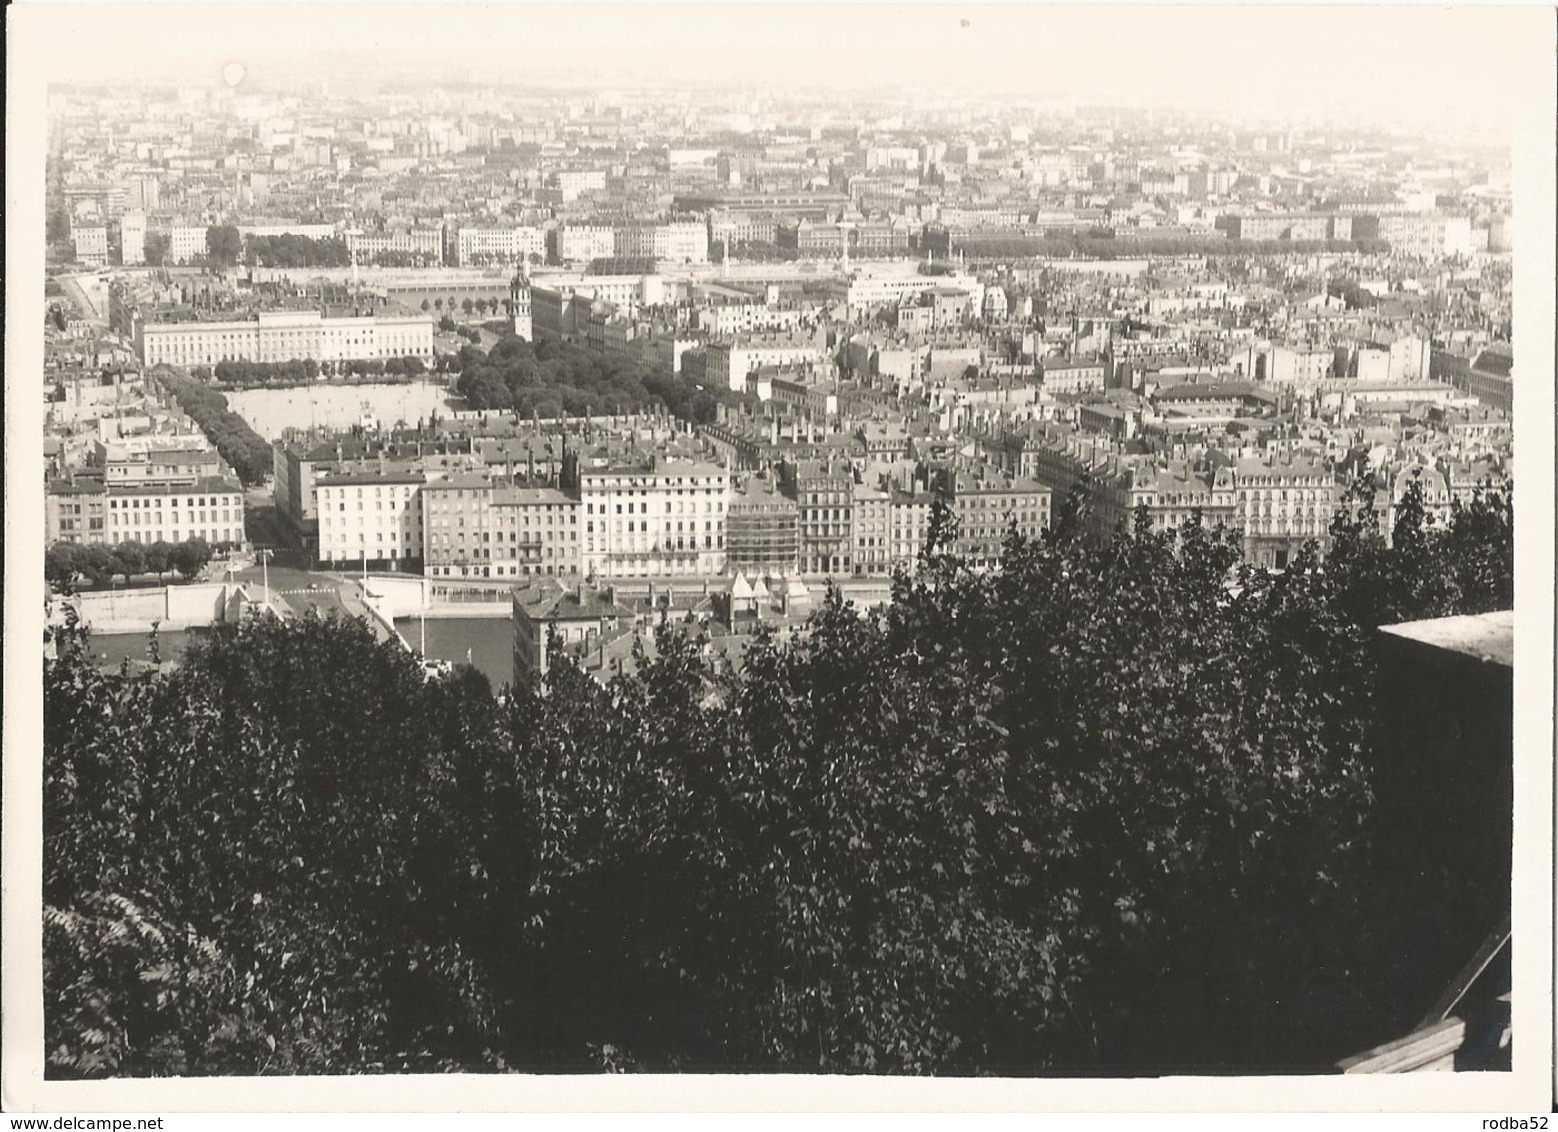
x,y
235,884
98,564
224,244
131,559
190,557
61,564
1105,808
296,250
552,377
1480,548
159,558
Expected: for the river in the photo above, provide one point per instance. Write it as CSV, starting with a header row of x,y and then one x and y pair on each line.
x,y
489,639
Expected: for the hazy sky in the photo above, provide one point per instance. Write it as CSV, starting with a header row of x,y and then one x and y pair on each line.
x,y
1426,65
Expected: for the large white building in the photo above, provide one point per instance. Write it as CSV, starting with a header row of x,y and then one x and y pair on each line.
x,y
367,246
281,336
372,516
1428,236
132,238
680,241
580,243
1302,368
498,245
91,244
746,318
209,509
186,243
727,364
661,519
869,289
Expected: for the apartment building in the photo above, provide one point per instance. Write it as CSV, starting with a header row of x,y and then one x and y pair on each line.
x,y
370,517
737,228
680,241
1430,236
1283,226
725,320
659,518
475,246
1436,498
160,467
75,513
581,243
762,530
1174,492
475,528
1080,374
1299,368
91,244
824,493
581,617
878,237
132,239
1280,503
871,529
727,364
428,243
186,243
572,183
812,239
287,228
986,505
909,525
209,509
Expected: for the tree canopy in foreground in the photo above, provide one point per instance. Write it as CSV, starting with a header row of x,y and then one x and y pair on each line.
x,y
1106,809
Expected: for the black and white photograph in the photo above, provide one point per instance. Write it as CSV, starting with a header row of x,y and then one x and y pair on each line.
x,y
825,546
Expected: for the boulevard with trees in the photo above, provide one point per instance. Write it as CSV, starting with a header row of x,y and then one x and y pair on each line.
x,y
1105,809
245,450
302,371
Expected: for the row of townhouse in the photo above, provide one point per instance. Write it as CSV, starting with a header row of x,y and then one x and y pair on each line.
x,y
661,518
658,518
1278,503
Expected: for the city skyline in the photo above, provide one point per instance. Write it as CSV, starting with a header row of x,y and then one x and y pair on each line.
x,y
1261,62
